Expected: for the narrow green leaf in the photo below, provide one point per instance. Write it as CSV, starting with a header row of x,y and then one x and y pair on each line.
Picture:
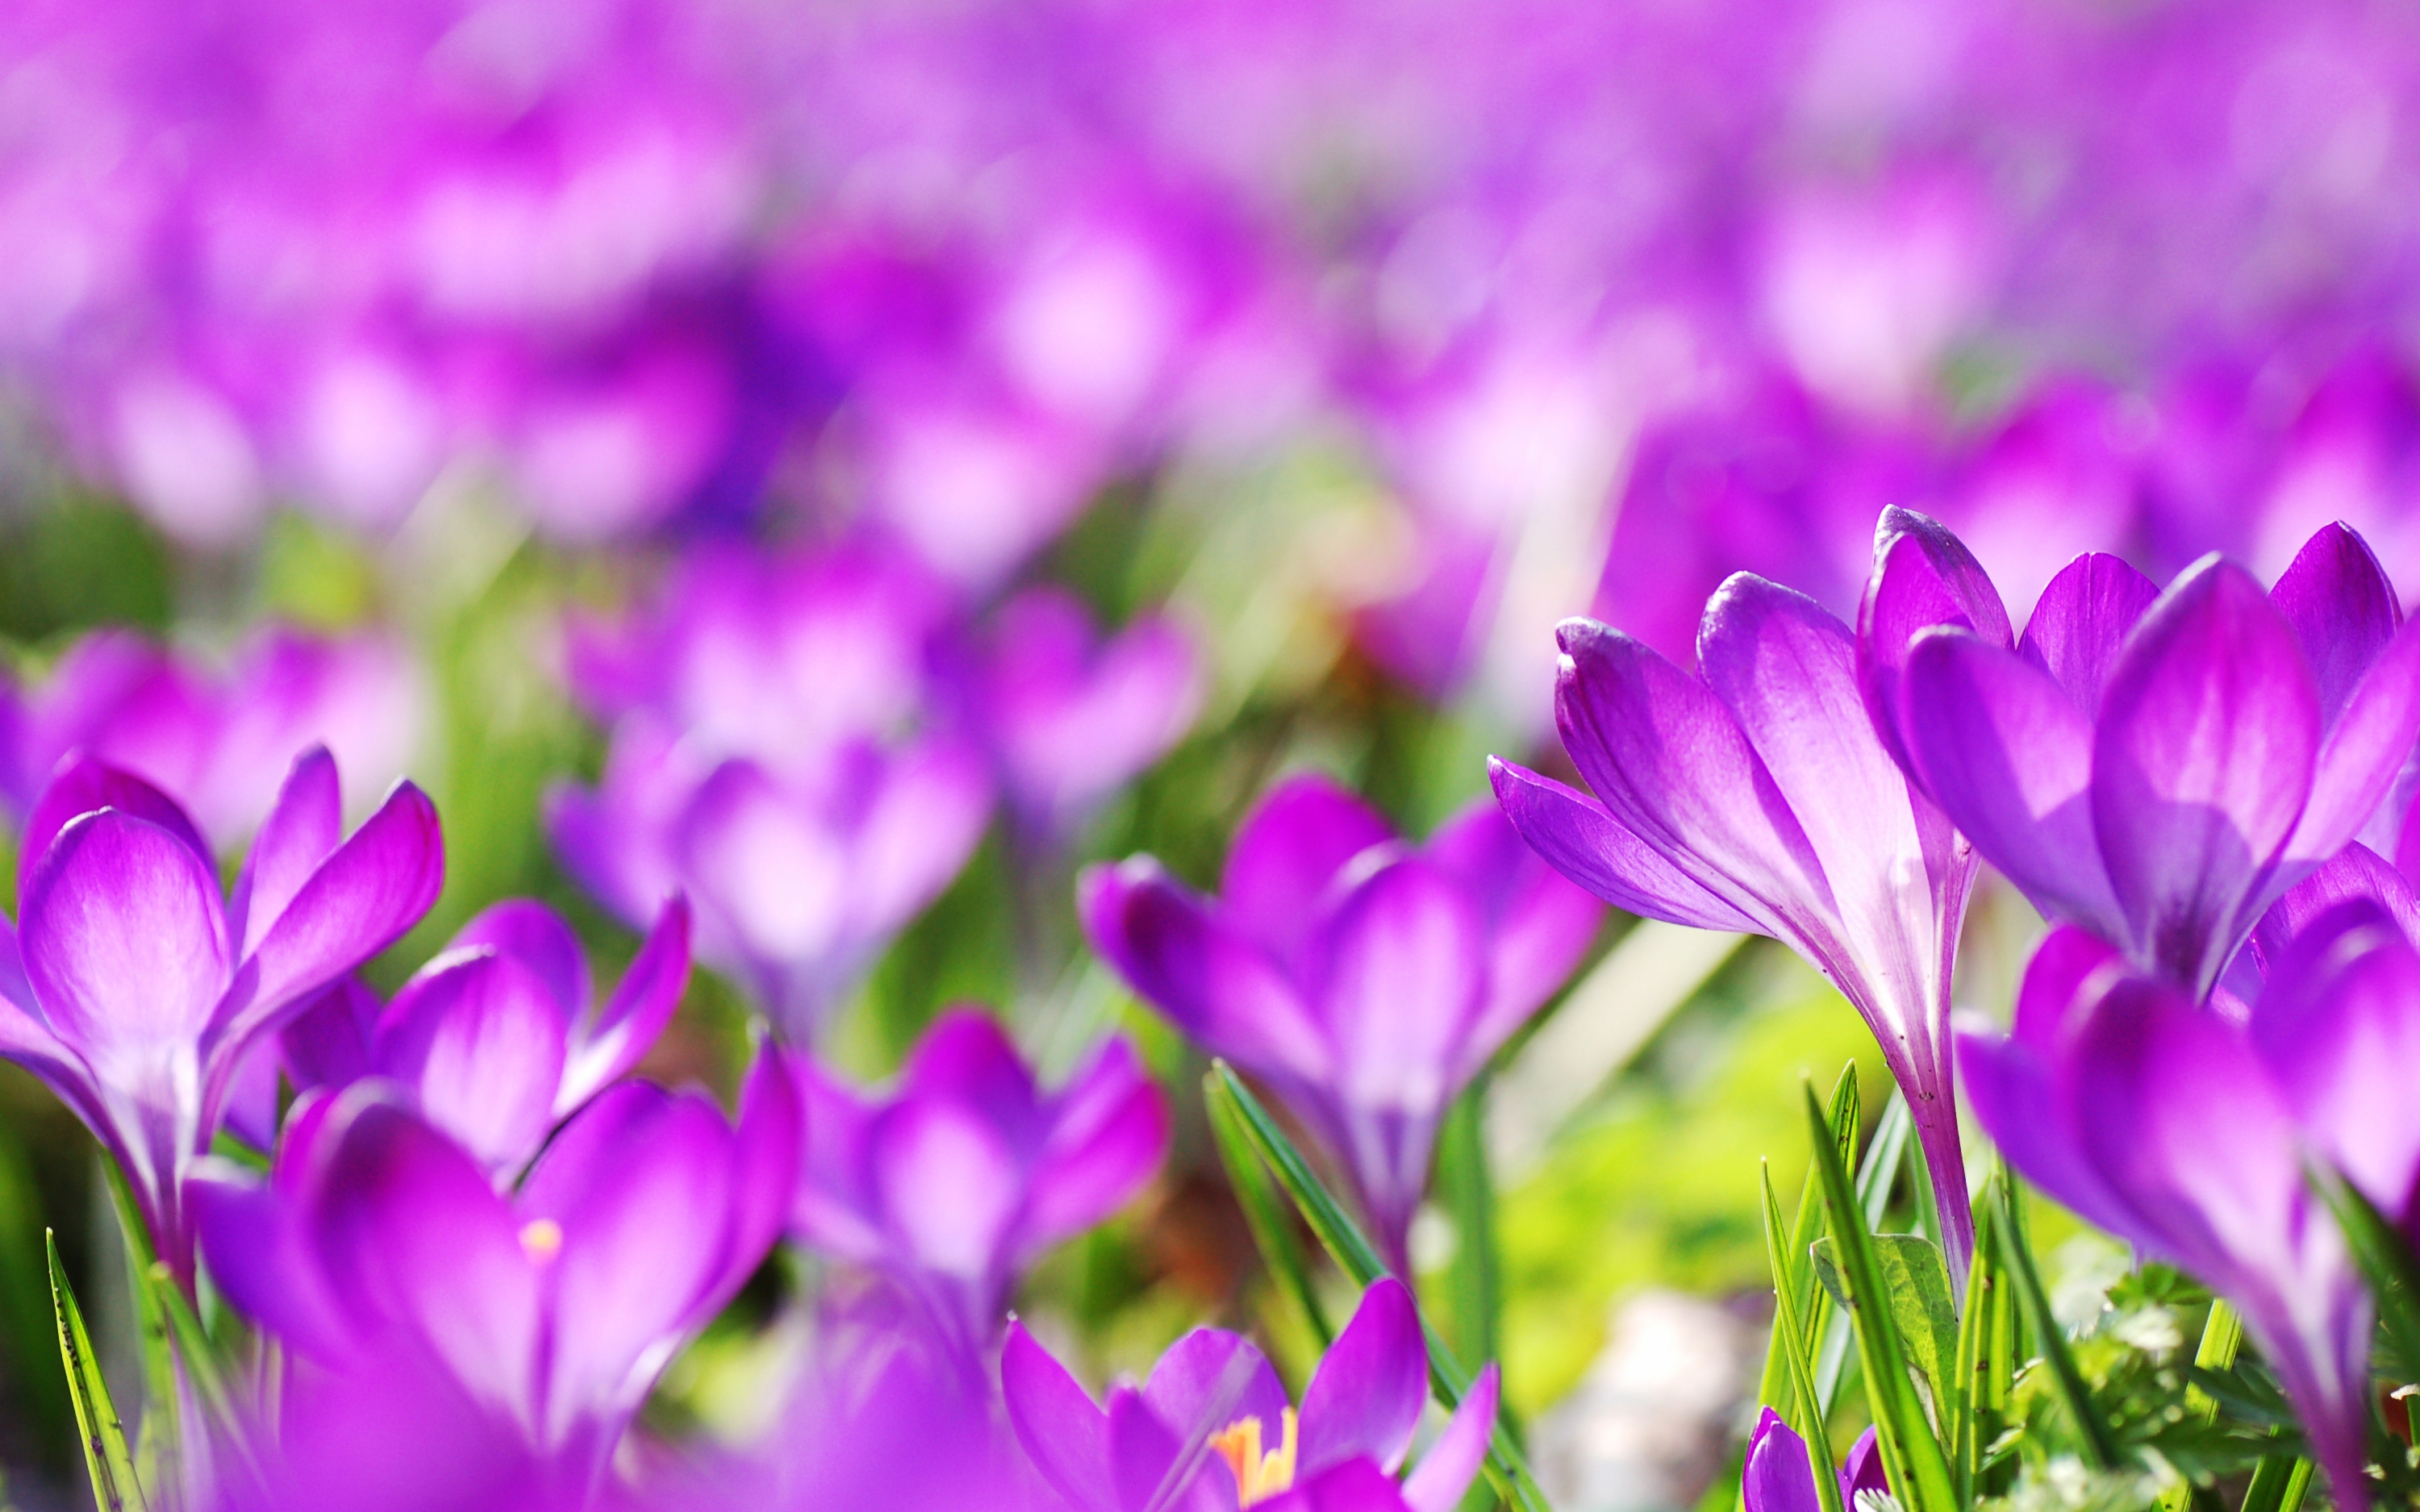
x,y
1813,1308
2051,1339
1916,1281
114,1485
1885,1154
2384,1256
1986,1345
1806,1413
1279,1250
2222,1333
2278,1483
1466,1190
228,1427
158,1449
1912,1456
1353,1252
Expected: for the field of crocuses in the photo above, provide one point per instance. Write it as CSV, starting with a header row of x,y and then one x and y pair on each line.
x,y
1183,755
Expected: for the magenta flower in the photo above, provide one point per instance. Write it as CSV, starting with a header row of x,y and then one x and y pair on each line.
x,y
134,990
1212,1430
1366,981
217,740
2161,767
498,1039
1758,797
554,1306
1779,1475
958,1179
2184,1132
1069,716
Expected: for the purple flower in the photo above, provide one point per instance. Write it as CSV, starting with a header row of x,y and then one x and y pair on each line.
x,y
1069,716
216,740
1212,1428
2184,1130
555,1305
134,990
1364,981
953,1184
1779,1476
2157,766
1758,797
497,1039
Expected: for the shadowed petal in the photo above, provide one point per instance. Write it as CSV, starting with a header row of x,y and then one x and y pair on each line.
x,y
626,1027
1923,576
966,1057
1397,972
2081,622
768,1138
260,1256
1286,855
479,1041
2366,749
2339,1029
1108,1137
1863,1469
1365,1398
2355,872
1210,1379
2201,764
84,786
1355,1485
926,816
836,1206
327,1042
1451,1463
1579,837
1064,1433
304,827
537,940
2342,610
1538,923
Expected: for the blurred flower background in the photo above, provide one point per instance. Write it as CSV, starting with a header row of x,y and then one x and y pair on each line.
x,y
858,464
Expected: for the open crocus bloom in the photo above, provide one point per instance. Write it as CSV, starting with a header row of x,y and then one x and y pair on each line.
x,y
134,990
1364,981
377,1239
1779,1475
497,1038
2175,1127
2160,766
1757,796
1211,1430
968,1171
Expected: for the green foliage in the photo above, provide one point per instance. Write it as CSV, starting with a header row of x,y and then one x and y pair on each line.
x,y
115,1485
79,562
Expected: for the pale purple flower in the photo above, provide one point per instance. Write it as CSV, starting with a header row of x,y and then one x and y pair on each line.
x,y
1779,1476
959,1177
554,1306
135,990
1212,1430
2158,766
2185,1132
1756,796
1365,980
1070,716
216,738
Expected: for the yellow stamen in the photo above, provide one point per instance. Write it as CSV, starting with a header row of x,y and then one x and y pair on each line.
x,y
541,1240
1258,1476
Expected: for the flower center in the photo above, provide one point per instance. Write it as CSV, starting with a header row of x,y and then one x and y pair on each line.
x,y
541,1240
1258,1475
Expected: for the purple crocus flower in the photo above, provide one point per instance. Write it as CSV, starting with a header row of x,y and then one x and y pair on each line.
x,y
954,1182
1757,796
1365,980
1212,1430
134,990
498,1039
555,1305
1779,1475
1070,717
2185,1132
2158,766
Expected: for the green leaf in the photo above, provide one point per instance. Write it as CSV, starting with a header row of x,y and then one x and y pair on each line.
x,y
1812,1306
1987,1348
230,1430
1353,1252
115,1485
1791,1278
2385,1258
1915,1280
1467,1191
2222,1333
1279,1250
2067,1382
2278,1485
158,1449
1912,1456
1884,1154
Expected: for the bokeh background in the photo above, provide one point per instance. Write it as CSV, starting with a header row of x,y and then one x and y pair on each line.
x,y
427,375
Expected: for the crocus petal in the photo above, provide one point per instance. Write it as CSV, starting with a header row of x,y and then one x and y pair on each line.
x,y
306,823
479,1041
2342,608
1366,1396
837,1208
2008,758
1579,839
1144,1451
1863,1469
536,938
627,1026
1287,853
2201,764
2080,623
1538,923
2355,872
1923,576
1437,1482
768,1138
949,1185
1210,1379
328,1041
360,901
1778,1475
2367,745
927,815
84,786
1355,1485
966,1057
1062,1432
1108,1138
260,1256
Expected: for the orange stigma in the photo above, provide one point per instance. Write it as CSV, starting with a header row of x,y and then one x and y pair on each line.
x,y
1258,1475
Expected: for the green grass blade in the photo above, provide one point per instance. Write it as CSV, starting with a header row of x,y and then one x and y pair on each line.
x,y
2051,1339
1884,1154
2278,1483
1916,1290
2221,1335
1467,1191
1790,1268
230,1430
1279,1250
1353,1252
1912,1457
1986,1340
115,1485
158,1449
1814,1305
